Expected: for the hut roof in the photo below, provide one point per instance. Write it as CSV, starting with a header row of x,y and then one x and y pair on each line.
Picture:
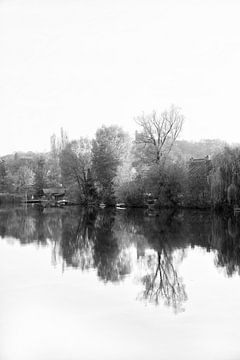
x,y
199,160
54,191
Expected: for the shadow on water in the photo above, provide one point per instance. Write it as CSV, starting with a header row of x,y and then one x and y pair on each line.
x,y
118,244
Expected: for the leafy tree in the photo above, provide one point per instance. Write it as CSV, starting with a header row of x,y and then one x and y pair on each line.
x,y
75,163
24,179
225,177
198,182
131,193
108,148
53,164
90,187
53,172
40,176
167,184
3,176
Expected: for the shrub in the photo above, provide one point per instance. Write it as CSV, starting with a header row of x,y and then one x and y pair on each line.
x,y
131,193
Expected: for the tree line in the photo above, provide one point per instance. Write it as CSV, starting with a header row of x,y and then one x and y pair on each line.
x,y
113,167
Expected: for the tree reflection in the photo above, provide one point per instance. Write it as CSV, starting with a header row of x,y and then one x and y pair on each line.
x,y
226,239
106,249
118,244
163,282
76,243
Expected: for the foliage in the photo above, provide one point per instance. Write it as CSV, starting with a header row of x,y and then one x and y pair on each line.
x,y
172,187
53,173
24,179
40,180
166,184
112,167
225,177
108,149
131,193
3,176
75,163
198,194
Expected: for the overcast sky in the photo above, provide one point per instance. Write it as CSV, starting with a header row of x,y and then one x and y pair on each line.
x,y
78,64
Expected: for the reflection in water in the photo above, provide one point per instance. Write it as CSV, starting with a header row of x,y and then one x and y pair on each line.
x,y
226,239
163,282
117,244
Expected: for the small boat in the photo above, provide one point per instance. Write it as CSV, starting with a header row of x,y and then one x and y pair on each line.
x,y
121,206
61,203
152,213
236,209
102,205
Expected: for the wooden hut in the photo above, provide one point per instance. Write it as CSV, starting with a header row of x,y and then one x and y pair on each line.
x,y
54,194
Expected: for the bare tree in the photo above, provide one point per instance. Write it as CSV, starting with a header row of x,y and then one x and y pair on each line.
x,y
159,132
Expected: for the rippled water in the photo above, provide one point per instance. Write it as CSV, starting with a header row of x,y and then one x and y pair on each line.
x,y
118,285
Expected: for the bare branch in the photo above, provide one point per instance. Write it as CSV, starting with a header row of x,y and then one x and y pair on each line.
x,y
159,131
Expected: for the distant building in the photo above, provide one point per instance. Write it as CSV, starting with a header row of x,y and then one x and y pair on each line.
x,y
24,157
54,193
198,179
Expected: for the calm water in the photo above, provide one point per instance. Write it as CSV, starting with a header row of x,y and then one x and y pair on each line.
x,y
118,285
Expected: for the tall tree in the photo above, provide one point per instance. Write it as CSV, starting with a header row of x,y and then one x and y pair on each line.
x,y
158,134
108,148
40,177
225,177
24,179
75,163
53,164
3,176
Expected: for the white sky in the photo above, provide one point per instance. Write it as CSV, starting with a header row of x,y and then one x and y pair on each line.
x,y
81,63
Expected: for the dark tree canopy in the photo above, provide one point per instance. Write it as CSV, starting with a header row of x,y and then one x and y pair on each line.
x,y
40,177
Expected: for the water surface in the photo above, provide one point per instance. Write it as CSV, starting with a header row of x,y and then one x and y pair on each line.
x,y
118,285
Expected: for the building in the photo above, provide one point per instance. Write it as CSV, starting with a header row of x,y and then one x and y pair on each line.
x,y
198,180
54,193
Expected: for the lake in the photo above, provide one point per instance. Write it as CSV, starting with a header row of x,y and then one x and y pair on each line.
x,y
118,284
